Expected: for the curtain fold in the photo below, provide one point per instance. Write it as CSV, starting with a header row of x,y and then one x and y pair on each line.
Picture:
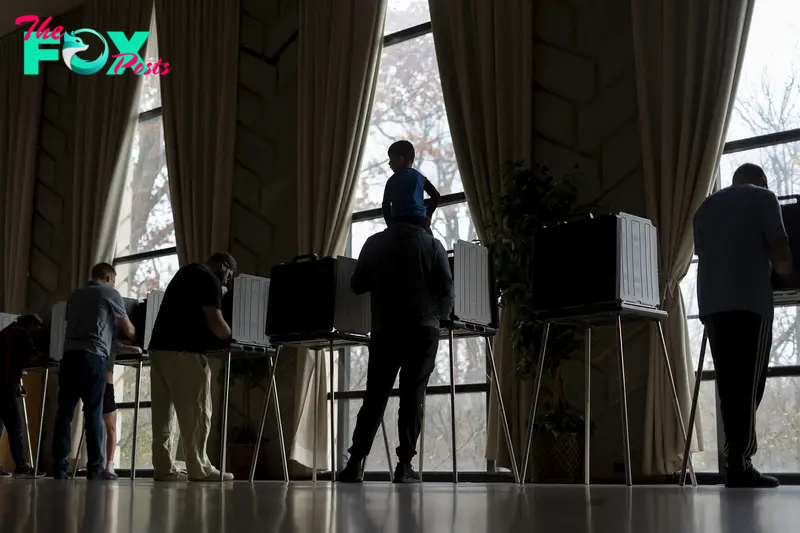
x,y
106,114
200,40
339,54
485,54
20,109
688,56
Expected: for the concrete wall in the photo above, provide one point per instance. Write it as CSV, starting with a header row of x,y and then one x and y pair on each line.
x,y
586,114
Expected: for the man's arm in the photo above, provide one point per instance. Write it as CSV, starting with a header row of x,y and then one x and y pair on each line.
x,y
121,316
386,206
360,280
775,235
211,301
442,282
435,197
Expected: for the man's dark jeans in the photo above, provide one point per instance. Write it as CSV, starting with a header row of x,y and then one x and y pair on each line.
x,y
82,376
9,415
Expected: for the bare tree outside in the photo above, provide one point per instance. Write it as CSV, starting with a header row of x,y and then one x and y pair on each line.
x,y
768,101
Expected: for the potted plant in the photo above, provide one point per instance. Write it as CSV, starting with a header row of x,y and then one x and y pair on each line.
x,y
532,198
251,374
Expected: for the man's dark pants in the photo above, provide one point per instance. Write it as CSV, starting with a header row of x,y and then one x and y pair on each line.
x,y
82,376
740,343
412,352
9,416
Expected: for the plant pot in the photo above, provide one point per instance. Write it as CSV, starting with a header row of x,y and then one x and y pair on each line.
x,y
240,457
557,458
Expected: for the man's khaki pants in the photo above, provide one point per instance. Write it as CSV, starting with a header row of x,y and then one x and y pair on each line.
x,y
181,385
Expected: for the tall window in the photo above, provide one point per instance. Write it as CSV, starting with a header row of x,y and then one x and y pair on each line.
x,y
764,129
409,105
146,257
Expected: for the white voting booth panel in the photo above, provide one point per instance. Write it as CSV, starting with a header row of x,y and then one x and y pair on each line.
x,y
250,301
153,304
637,260
352,313
58,330
473,283
6,319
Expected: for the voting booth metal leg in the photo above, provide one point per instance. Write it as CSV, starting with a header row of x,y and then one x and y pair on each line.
x,y
495,380
272,394
333,416
587,405
41,422
136,419
623,398
27,426
421,442
386,447
78,450
316,417
226,392
535,402
693,412
453,407
675,402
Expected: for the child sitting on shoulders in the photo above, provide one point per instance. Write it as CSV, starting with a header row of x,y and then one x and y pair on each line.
x,y
403,198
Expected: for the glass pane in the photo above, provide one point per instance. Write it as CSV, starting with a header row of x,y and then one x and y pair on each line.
x,y
777,426
781,164
470,434
470,367
695,330
125,384
136,280
768,94
689,290
402,14
408,105
708,459
144,440
450,223
151,88
146,222
785,345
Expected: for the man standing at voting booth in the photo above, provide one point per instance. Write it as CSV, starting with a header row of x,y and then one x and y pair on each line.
x,y
94,313
407,274
739,239
189,323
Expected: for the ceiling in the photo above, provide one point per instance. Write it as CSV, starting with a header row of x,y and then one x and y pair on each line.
x,y
11,9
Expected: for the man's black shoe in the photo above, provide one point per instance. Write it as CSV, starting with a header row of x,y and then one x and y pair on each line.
x,y
353,472
750,479
102,476
404,473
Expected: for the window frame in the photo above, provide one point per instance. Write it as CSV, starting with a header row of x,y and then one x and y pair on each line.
x,y
343,392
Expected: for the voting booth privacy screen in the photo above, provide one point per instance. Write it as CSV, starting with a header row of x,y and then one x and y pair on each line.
x,y
610,259
475,297
313,296
249,303
790,208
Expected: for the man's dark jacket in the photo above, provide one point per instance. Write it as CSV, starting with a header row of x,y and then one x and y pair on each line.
x,y
407,274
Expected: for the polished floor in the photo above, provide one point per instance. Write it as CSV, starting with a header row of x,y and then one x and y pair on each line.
x,y
125,507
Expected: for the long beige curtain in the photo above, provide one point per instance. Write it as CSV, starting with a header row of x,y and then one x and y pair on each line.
x,y
688,58
485,54
340,46
20,106
105,123
200,40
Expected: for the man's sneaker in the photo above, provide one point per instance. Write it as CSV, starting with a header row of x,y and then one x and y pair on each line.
x,y
173,477
26,472
4,472
751,479
215,475
102,476
404,473
353,472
